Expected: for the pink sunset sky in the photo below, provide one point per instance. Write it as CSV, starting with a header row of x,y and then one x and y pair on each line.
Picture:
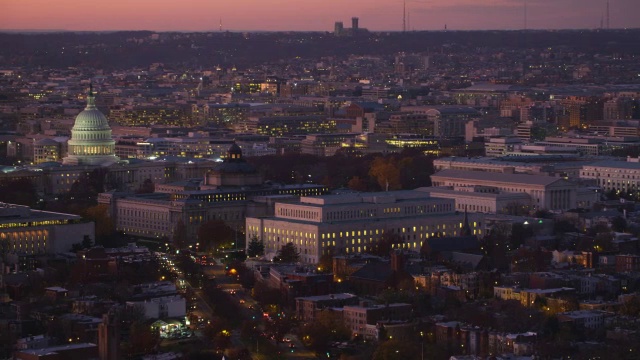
x,y
315,15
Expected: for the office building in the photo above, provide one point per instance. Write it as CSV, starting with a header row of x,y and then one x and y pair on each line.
x,y
547,192
354,223
27,231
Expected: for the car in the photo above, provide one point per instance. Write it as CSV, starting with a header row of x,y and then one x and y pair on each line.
x,y
242,301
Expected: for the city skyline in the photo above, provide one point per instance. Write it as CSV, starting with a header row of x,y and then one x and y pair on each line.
x,y
282,15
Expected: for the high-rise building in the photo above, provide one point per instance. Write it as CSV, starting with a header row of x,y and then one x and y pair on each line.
x,y
354,25
338,28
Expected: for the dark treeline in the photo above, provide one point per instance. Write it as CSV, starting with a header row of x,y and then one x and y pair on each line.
x,y
406,170
120,50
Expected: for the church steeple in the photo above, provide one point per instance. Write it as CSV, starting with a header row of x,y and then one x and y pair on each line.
x,y
466,229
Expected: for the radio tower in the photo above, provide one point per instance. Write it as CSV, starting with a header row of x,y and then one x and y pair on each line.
x,y
608,15
404,16
220,24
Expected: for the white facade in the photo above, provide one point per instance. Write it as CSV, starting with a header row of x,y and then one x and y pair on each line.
x,y
27,231
623,176
591,319
478,201
174,306
91,142
354,223
546,192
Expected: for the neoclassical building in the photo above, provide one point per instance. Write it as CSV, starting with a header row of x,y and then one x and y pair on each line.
x,y
546,192
91,142
30,232
354,223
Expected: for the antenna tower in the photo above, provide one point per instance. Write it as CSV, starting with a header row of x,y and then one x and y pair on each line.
x,y
608,15
404,16
220,24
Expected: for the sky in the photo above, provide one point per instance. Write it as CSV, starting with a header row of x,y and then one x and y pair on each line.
x,y
313,15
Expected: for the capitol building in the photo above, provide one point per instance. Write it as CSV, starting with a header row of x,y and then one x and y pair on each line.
x,y
91,142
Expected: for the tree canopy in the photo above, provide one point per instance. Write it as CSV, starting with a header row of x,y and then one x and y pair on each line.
x,y
255,247
287,254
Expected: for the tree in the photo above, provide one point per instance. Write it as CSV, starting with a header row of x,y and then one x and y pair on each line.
x,y
147,187
287,254
327,327
619,224
256,247
142,339
386,243
179,238
325,263
357,183
386,173
85,244
396,349
105,227
214,234
19,191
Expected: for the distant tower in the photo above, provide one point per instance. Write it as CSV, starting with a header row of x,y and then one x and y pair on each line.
x,y
608,15
338,28
220,24
404,16
354,24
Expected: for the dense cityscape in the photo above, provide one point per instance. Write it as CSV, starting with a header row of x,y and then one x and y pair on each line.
x,y
348,194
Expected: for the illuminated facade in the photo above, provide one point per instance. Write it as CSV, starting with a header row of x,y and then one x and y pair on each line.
x,y
483,200
91,142
324,144
227,193
26,231
354,223
46,150
446,121
619,176
546,192
288,125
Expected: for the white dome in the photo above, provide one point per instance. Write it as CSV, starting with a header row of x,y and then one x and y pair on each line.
x,y
91,141
91,118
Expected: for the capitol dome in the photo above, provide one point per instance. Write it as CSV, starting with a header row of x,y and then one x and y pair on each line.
x,y
91,141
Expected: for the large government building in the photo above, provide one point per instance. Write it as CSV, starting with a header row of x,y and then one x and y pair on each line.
x,y
619,176
229,191
354,223
92,148
546,192
91,142
29,232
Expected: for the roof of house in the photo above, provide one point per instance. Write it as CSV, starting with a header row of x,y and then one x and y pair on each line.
x,y
376,271
450,243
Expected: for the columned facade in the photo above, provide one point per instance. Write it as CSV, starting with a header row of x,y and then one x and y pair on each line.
x,y
91,142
